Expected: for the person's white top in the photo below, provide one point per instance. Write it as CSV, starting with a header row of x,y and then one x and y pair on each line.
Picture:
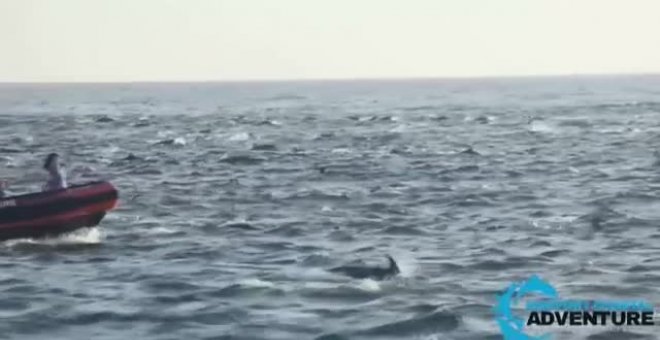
x,y
3,186
56,181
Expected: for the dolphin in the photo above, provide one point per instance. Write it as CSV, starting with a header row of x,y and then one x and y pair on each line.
x,y
367,272
469,151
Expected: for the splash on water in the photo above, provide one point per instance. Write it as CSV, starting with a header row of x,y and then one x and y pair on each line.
x,y
239,137
85,236
256,283
163,230
180,141
369,285
541,126
407,264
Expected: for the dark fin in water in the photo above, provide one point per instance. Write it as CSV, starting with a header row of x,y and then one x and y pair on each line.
x,y
394,267
104,119
264,147
365,272
131,157
240,225
470,151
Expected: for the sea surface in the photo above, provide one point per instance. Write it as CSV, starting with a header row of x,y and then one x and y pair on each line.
x,y
236,199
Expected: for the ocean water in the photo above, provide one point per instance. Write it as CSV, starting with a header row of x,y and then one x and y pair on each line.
x,y
236,199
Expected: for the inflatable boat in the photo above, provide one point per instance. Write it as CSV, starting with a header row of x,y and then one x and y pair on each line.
x,y
56,212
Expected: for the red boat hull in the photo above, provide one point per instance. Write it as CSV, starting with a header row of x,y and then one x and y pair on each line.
x,y
56,212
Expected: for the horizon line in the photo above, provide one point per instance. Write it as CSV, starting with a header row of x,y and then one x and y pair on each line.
x,y
336,79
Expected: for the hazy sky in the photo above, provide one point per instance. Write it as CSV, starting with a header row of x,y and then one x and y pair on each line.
x,y
133,40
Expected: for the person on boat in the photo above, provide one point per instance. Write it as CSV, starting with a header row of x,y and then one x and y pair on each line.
x,y
3,186
56,175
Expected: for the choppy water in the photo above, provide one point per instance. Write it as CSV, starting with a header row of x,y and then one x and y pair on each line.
x,y
237,198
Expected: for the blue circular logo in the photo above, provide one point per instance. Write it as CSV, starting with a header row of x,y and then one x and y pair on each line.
x,y
510,325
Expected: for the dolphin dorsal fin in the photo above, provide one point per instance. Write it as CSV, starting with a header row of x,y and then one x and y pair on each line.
x,y
393,265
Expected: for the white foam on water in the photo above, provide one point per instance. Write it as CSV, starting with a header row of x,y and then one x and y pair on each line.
x,y
256,283
429,337
162,230
479,118
80,236
319,285
180,141
554,222
399,128
341,150
407,264
112,149
540,126
241,136
369,285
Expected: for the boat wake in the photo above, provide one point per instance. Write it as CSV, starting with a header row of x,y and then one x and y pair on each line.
x,y
85,236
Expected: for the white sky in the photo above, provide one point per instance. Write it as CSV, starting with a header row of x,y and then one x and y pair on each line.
x,y
161,40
